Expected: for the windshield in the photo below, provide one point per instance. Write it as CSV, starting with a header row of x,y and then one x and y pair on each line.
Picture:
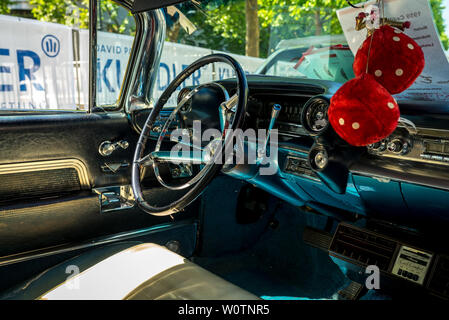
x,y
289,38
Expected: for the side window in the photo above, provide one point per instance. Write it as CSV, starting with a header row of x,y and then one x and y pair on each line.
x,y
39,65
44,54
116,30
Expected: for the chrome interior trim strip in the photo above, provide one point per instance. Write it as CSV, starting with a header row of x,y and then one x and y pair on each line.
x,y
123,236
145,70
93,12
49,165
439,133
405,158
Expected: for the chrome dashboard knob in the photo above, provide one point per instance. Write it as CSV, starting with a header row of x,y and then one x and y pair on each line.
x,y
321,159
106,148
397,146
379,146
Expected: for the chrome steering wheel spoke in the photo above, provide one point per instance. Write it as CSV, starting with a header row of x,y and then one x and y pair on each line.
x,y
188,150
226,110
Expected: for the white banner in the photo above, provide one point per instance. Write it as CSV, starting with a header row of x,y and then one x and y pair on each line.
x,y
37,69
36,65
112,59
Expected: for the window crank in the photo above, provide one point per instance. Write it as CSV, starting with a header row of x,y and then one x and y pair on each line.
x,y
107,147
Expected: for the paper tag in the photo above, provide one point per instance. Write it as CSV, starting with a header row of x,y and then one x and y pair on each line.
x,y
433,83
373,18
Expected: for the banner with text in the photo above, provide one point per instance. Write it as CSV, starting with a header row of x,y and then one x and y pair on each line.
x,y
42,67
36,65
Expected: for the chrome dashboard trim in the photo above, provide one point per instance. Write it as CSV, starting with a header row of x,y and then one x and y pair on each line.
x,y
431,132
419,173
417,152
290,124
430,161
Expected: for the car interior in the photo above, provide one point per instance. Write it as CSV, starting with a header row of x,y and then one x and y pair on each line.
x,y
95,199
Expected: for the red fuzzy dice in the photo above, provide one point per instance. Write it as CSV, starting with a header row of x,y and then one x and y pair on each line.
x,y
395,59
363,112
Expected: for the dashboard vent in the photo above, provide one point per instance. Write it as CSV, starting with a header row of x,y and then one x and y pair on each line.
x,y
439,280
362,247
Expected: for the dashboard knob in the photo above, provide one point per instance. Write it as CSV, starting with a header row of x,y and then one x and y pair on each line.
x,y
379,146
396,146
321,159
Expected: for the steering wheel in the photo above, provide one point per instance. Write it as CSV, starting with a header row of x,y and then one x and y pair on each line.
x,y
231,114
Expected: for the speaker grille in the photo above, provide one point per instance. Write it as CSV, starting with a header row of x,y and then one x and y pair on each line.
x,y
37,184
362,247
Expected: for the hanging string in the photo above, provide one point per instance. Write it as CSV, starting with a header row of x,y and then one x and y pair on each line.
x,y
354,5
369,50
382,15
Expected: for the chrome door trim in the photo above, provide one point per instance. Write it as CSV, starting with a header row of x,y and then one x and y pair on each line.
x,y
92,55
123,236
76,164
145,61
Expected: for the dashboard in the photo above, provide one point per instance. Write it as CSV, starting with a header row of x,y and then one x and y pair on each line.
x,y
403,178
396,179
400,184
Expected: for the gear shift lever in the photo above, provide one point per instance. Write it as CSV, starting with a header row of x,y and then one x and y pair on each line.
x,y
274,115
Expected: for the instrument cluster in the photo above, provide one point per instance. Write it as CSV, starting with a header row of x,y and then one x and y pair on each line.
x,y
300,115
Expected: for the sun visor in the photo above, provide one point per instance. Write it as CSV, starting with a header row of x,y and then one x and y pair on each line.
x,y
147,5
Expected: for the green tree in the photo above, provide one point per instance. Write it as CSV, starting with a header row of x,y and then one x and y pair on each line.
x,y
221,24
278,19
252,36
4,7
437,9
70,13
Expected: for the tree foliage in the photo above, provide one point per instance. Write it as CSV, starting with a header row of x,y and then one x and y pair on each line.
x,y
220,24
112,18
71,13
437,9
278,19
4,9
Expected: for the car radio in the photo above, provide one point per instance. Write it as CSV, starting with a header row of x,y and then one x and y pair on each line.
x,y
436,150
412,146
356,248
412,264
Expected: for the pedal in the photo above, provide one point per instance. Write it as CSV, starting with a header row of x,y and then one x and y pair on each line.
x,y
317,238
352,292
